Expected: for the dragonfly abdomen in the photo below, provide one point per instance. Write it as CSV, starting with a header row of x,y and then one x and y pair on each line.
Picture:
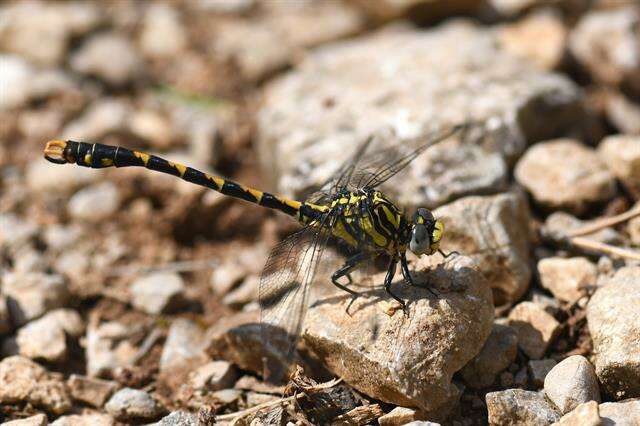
x,y
98,156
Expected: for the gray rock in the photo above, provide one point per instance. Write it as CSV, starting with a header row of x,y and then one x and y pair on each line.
x,y
31,295
623,413
585,414
573,184
449,74
377,351
571,383
520,407
40,31
16,231
37,420
622,155
95,57
179,418
612,317
131,404
493,230
24,381
213,376
163,35
46,338
157,293
185,344
15,77
107,347
535,328
239,339
89,390
261,46
41,177
498,352
95,203
606,43
86,419
538,370
567,279
102,117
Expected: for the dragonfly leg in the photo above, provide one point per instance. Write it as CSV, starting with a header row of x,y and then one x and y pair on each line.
x,y
451,253
407,274
344,270
387,284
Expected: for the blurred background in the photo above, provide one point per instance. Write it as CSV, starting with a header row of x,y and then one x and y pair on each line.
x,y
273,94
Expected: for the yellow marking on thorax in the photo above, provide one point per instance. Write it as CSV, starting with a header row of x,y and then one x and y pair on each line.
x,y
367,226
339,231
141,155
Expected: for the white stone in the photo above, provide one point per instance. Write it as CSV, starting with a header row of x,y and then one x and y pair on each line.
x,y
95,203
572,382
156,293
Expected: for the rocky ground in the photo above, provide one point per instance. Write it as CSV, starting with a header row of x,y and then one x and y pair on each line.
x,y
128,297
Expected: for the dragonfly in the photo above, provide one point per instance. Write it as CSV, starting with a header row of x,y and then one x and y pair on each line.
x,y
348,207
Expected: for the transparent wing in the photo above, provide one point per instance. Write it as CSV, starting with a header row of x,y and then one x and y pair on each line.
x,y
285,285
382,165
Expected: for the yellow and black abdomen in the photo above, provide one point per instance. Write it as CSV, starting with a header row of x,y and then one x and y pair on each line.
x,y
99,156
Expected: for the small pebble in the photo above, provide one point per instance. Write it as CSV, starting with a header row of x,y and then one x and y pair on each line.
x,y
22,380
178,418
567,279
519,407
31,295
585,414
95,57
131,404
622,155
95,203
535,328
579,180
572,382
185,343
213,376
89,390
613,321
397,417
157,293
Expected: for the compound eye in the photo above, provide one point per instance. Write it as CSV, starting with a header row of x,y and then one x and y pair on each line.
x,y
420,240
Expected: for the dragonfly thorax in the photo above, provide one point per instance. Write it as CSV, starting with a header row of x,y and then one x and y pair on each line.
x,y
368,220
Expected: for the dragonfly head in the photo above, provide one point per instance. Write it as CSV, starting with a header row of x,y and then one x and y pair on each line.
x,y
426,232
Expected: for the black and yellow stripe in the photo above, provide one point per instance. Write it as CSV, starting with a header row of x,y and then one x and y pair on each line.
x,y
99,156
369,218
